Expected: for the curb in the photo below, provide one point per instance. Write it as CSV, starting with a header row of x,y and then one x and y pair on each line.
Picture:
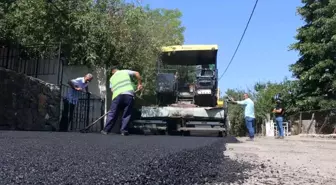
x,y
324,136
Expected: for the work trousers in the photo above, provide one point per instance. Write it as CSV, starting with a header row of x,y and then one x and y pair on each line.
x,y
67,115
121,102
279,123
249,122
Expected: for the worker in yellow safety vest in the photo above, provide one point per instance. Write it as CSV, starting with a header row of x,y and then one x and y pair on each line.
x,y
123,93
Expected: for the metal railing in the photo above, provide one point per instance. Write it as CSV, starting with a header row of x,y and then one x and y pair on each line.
x,y
83,107
42,61
28,61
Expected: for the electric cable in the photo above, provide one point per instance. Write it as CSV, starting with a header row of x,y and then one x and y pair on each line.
x,y
234,54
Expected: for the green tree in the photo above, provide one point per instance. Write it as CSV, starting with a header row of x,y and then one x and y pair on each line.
x,y
95,33
316,44
156,28
78,25
236,113
264,98
262,95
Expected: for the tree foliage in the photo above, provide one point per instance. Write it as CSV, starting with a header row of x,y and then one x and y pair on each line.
x,y
263,97
316,44
315,86
95,33
105,32
236,113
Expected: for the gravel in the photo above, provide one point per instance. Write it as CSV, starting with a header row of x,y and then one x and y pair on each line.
x,y
75,158
290,161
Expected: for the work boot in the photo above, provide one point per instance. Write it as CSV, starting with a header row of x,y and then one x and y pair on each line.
x,y
250,139
103,132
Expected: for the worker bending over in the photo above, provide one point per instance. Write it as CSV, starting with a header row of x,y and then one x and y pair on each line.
x,y
70,101
122,98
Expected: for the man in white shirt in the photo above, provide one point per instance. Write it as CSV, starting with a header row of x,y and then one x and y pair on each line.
x,y
248,114
77,87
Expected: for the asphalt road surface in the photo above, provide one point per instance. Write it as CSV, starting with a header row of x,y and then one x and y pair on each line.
x,y
76,158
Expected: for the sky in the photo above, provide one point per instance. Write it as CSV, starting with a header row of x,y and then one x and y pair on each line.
x,y
264,52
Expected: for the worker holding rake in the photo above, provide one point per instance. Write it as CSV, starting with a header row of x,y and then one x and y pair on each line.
x,y
122,98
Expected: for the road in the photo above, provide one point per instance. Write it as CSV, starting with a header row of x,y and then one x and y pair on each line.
x,y
75,158
294,160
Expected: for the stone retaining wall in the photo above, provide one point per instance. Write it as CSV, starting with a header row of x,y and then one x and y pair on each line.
x,y
27,103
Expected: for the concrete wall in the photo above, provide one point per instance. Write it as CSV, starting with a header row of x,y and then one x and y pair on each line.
x,y
312,122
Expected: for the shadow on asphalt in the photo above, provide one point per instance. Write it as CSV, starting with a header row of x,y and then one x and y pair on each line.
x,y
192,133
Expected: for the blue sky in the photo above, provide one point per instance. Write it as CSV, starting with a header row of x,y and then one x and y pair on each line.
x,y
263,54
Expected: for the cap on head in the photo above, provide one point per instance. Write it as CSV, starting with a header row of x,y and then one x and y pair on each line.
x,y
113,68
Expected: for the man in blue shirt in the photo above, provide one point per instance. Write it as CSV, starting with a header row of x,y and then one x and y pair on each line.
x,y
248,114
77,87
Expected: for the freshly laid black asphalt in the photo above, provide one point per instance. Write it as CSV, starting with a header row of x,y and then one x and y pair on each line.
x,y
76,158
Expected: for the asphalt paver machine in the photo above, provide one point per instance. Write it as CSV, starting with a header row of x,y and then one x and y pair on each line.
x,y
187,92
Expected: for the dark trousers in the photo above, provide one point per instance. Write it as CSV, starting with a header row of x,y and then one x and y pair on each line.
x,y
67,115
250,126
121,102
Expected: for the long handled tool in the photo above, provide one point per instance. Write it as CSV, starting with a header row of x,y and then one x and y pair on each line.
x,y
85,130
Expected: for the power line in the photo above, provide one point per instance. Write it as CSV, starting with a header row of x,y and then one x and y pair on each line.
x,y
234,54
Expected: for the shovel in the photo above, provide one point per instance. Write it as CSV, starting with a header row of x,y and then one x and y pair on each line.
x,y
85,130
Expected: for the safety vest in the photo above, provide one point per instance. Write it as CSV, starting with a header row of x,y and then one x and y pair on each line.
x,y
121,82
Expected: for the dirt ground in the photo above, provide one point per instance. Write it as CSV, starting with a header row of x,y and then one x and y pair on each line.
x,y
294,160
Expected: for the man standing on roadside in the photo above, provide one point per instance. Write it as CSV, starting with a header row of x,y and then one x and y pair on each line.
x,y
279,112
122,98
77,85
249,114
